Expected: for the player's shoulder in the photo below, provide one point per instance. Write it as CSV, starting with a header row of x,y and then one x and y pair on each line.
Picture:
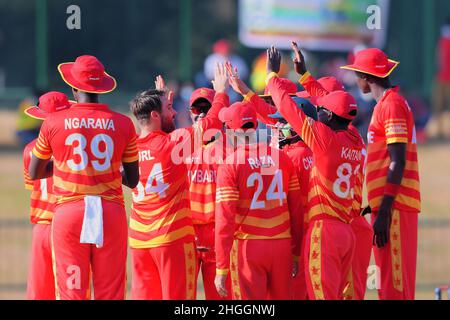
x,y
28,148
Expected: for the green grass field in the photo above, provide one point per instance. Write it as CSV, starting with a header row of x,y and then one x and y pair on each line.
x,y
434,234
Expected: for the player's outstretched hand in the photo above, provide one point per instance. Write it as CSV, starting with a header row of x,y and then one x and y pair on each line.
x,y
219,282
160,85
381,228
235,82
299,60
273,60
220,82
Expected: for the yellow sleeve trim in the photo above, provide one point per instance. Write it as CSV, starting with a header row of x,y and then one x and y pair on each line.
x,y
248,96
304,77
37,154
397,140
28,187
222,272
270,76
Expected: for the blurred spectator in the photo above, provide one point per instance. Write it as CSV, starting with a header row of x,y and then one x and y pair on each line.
x,y
442,83
421,113
222,52
28,127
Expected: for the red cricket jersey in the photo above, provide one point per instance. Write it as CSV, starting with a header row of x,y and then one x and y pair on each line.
x,y
89,143
42,205
161,206
302,158
314,88
337,157
256,198
202,175
392,122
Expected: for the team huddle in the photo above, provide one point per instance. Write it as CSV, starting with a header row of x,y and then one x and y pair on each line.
x,y
279,218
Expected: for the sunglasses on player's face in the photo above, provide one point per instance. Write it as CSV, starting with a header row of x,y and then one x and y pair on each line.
x,y
200,108
320,108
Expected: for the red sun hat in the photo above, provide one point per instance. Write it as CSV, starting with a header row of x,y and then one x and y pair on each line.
x,y
340,103
238,114
87,74
330,84
202,93
372,61
286,84
49,103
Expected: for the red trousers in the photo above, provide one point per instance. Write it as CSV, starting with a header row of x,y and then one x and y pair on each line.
x,y
75,261
41,279
398,259
206,261
329,249
357,279
164,273
261,269
299,289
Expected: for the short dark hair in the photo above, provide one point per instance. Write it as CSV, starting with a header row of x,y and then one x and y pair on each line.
x,y
146,102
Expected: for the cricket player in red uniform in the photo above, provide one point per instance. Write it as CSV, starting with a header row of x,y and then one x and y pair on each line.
x,y
286,139
41,280
202,173
337,156
392,176
356,287
161,229
89,144
257,215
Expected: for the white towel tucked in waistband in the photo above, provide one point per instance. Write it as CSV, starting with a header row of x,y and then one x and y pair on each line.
x,y
92,230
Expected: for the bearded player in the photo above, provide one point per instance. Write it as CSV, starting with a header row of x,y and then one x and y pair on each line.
x,y
161,229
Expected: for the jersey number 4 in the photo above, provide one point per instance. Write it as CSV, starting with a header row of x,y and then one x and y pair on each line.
x,y
155,184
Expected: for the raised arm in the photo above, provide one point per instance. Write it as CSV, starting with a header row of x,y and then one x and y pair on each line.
x,y
262,108
308,82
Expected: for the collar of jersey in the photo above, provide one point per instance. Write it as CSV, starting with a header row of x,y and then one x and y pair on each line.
x,y
91,106
152,134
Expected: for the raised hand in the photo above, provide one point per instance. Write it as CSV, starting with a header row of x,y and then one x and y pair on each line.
x,y
160,85
273,60
220,82
299,60
235,82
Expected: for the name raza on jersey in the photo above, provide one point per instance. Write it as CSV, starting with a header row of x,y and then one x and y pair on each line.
x,y
89,123
261,162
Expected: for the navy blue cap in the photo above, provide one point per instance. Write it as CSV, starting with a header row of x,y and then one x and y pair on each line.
x,y
308,108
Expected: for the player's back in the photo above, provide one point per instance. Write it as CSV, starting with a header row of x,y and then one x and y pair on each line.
x,y
337,164
262,176
160,213
88,142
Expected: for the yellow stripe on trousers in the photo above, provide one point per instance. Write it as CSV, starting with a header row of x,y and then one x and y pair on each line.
x,y
315,260
190,262
234,270
396,251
